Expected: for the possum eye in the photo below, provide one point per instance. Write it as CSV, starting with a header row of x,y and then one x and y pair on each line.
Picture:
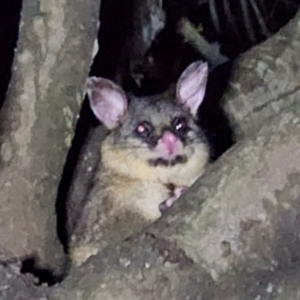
x,y
180,124
143,129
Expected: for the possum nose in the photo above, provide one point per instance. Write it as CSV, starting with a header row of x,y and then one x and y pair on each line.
x,y
170,141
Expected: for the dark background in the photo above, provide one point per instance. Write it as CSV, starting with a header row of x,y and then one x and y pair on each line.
x,y
9,26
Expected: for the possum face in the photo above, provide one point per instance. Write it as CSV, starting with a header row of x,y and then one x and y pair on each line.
x,y
158,132
153,133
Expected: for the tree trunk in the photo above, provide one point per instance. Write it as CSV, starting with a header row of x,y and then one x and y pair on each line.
x,y
37,122
263,79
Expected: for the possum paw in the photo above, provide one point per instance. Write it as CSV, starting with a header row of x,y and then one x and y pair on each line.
x,y
177,192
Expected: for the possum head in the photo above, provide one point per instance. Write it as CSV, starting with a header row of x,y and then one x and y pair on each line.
x,y
153,137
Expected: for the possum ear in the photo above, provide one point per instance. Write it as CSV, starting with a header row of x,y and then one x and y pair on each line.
x,y
107,101
191,86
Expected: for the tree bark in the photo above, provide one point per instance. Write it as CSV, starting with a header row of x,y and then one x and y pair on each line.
x,y
53,57
263,79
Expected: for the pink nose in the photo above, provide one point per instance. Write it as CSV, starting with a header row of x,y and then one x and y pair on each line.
x,y
170,141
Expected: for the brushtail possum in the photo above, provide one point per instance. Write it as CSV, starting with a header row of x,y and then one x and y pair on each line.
x,y
154,151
